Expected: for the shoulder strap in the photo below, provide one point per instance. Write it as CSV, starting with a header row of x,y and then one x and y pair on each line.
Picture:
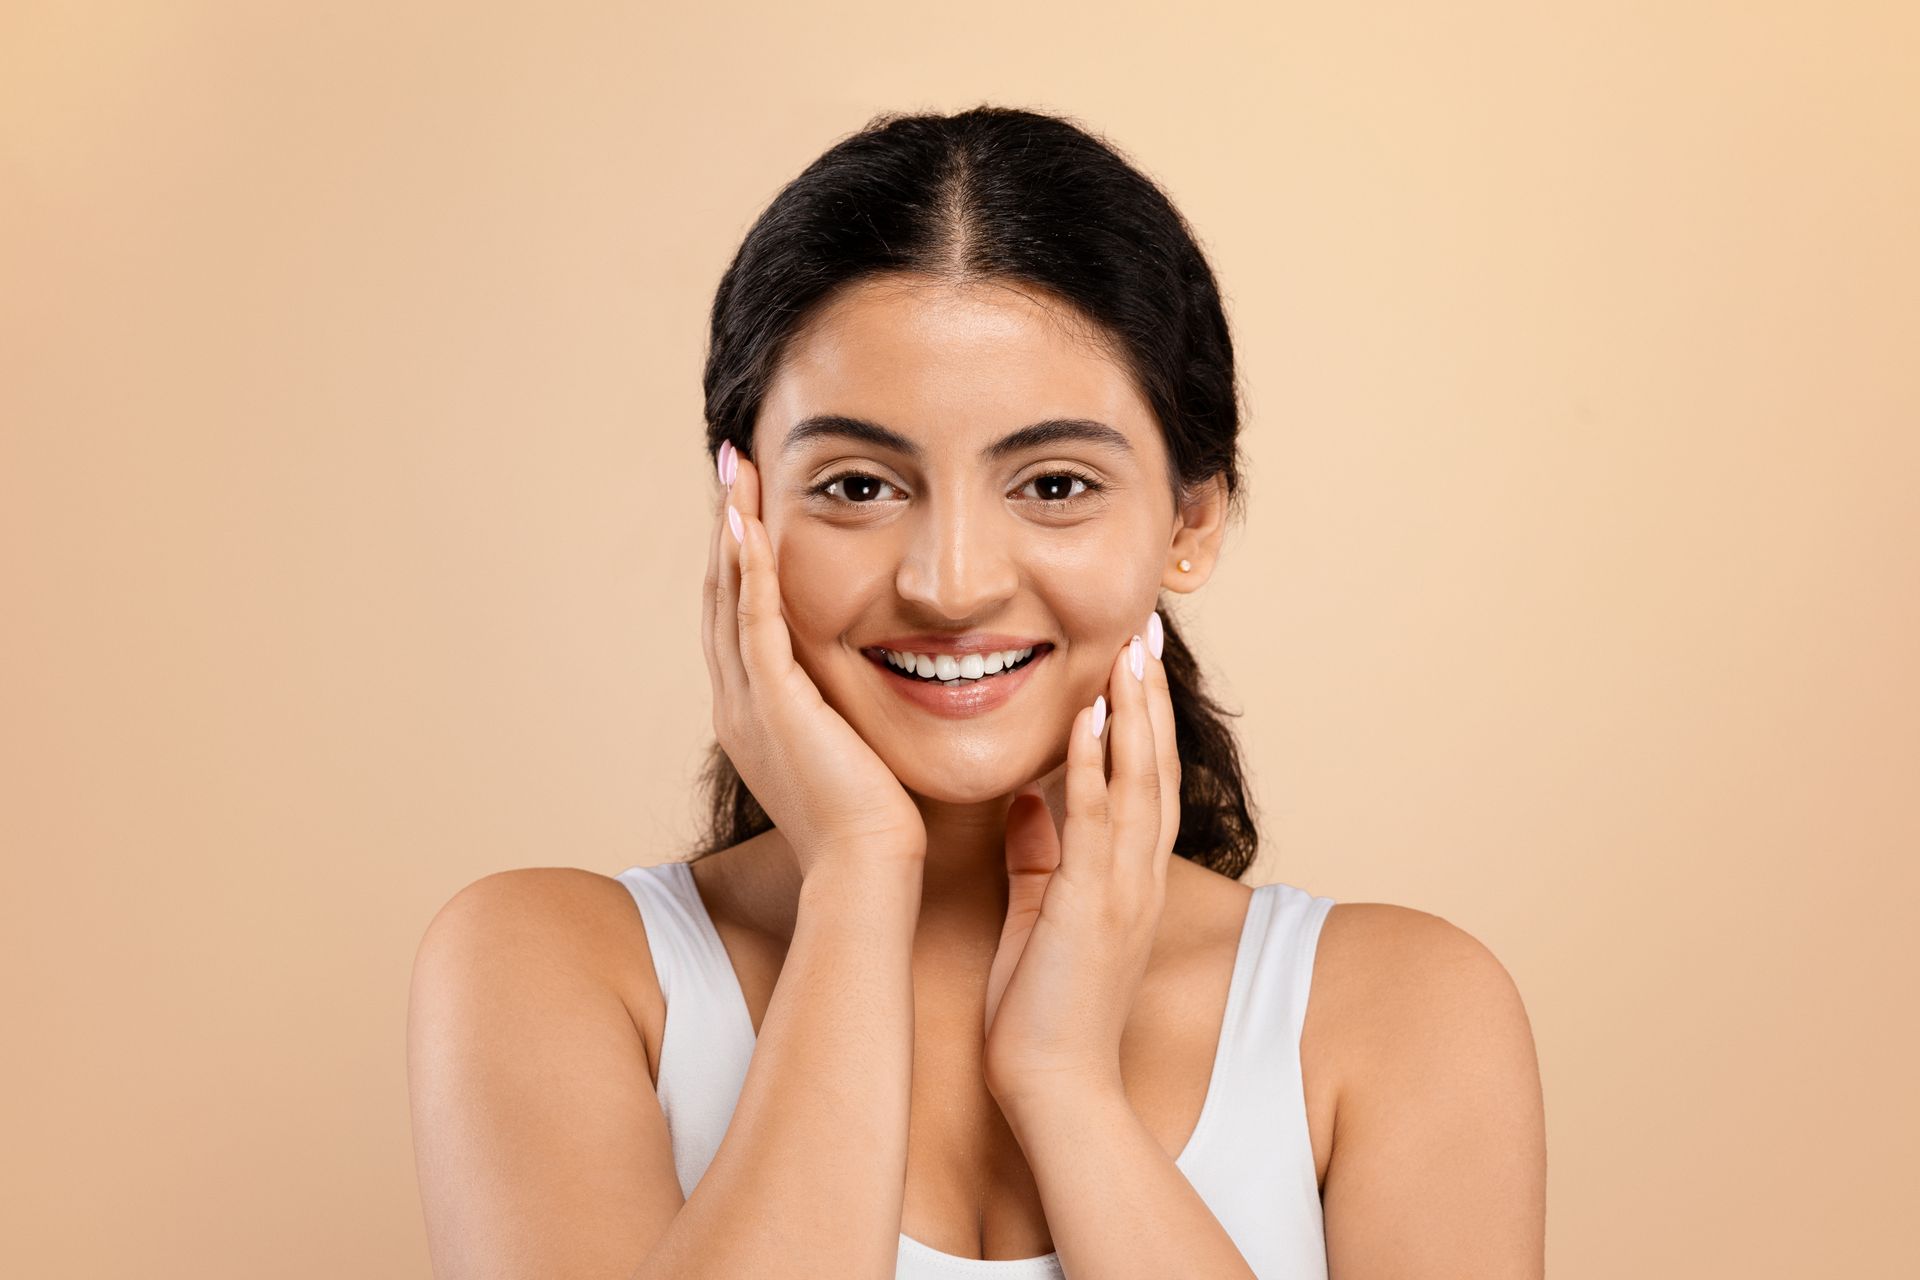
x,y
674,933
1255,1168
708,1041
1283,972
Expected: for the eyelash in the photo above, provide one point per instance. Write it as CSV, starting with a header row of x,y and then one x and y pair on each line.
x,y
1093,486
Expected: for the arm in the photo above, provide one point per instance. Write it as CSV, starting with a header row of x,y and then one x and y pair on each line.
x,y
541,1147
1439,1160
1117,1205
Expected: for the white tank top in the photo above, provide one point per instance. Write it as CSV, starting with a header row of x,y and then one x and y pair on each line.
x,y
1250,1156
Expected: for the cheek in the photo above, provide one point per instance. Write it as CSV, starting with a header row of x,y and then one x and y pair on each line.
x,y
820,590
1101,591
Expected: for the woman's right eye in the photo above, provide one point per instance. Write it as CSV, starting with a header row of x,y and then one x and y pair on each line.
x,y
858,488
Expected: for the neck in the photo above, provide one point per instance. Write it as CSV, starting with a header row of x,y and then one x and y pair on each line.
x,y
964,886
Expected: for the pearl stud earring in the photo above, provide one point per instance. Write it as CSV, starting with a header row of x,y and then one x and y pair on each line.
x,y
1185,565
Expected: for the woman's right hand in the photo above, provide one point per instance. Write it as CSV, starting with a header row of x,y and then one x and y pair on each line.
x,y
832,798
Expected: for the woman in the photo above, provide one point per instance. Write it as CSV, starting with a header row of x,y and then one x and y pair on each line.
x,y
963,980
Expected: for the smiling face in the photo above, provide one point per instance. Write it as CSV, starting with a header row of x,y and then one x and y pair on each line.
x,y
937,533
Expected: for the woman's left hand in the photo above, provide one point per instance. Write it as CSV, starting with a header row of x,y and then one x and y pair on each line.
x,y
1084,906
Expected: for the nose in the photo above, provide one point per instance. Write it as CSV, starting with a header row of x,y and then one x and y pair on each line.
x,y
957,563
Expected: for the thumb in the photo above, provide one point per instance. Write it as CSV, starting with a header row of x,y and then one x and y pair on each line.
x,y
1033,846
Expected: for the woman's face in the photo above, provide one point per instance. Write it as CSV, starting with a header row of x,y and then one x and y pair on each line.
x,y
945,537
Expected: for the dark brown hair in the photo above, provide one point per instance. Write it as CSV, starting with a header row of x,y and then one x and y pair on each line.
x,y
999,193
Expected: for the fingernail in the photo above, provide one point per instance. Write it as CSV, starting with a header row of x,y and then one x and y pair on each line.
x,y
733,464
1137,659
1156,634
733,522
1099,714
720,462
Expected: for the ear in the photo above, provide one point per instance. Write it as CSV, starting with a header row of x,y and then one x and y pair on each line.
x,y
1199,526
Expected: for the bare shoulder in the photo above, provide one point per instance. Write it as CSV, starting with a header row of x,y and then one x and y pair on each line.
x,y
1439,1146
576,905
1385,963
527,924
529,1082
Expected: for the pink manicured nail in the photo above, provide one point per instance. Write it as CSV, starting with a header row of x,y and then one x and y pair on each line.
x,y
733,522
1137,659
1156,635
1099,714
733,464
720,462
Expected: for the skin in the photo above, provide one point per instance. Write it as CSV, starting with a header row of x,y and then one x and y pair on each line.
x,y
955,368
1422,1091
951,540
1417,1050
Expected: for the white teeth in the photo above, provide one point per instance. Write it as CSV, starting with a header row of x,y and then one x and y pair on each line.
x,y
949,669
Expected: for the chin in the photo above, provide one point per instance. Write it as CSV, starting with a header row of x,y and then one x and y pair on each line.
x,y
959,762
944,792
965,780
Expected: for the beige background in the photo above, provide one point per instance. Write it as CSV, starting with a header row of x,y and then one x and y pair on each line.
x,y
353,514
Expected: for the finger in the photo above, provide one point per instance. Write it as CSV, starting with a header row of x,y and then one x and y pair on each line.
x,y
766,648
1134,783
710,591
709,587
1084,847
722,610
1166,740
1032,845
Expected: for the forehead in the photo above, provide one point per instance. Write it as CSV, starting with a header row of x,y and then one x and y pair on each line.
x,y
943,362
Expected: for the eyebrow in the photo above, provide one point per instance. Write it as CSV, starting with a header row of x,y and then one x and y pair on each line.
x,y
1050,431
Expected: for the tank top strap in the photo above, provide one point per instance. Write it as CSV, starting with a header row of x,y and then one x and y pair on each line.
x,y
1275,1011
687,951
1256,1168
708,1040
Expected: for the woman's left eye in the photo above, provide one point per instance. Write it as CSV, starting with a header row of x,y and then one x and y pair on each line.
x,y
1061,485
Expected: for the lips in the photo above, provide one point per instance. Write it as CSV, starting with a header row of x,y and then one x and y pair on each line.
x,y
962,698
